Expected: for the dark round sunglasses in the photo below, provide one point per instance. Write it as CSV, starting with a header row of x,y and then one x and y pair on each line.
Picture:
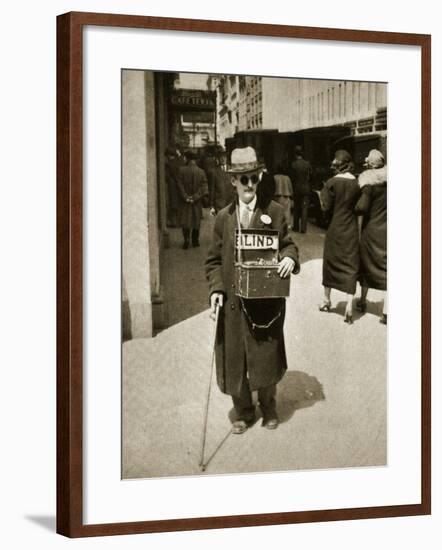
x,y
245,179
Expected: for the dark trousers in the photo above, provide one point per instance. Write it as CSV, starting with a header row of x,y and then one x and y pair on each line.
x,y
300,211
244,407
195,235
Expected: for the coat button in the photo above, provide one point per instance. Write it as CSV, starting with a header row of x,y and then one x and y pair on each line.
x,y
232,306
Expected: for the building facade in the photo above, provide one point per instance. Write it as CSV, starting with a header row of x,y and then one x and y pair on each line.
x,y
296,104
158,112
252,103
227,106
275,114
143,211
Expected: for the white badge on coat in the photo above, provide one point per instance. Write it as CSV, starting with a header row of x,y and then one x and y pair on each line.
x,y
267,220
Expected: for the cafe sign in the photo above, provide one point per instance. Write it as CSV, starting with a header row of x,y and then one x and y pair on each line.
x,y
193,99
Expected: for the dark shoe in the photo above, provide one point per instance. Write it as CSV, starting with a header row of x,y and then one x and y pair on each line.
x,y
383,319
348,319
271,423
325,306
195,244
361,306
185,245
239,427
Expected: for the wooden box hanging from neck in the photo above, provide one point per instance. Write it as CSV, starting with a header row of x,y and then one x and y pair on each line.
x,y
256,265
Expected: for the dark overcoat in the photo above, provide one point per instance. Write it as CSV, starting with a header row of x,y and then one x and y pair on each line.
x,y
373,246
191,183
172,168
221,190
340,268
238,345
301,173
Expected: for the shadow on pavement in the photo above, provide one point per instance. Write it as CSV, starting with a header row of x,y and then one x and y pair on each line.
x,y
297,390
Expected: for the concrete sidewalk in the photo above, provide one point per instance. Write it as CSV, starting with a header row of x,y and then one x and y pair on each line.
x,y
331,402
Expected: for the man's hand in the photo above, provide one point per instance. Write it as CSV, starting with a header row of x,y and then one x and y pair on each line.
x,y
216,298
212,211
285,267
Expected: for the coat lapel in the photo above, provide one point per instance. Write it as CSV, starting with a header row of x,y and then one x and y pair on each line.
x,y
256,221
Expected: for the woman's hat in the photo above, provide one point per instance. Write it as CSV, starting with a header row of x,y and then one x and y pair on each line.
x,y
342,161
342,156
243,160
375,159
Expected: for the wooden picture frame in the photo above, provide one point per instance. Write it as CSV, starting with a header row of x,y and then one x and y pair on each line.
x,y
70,267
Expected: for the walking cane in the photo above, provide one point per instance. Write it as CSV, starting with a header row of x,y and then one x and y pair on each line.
x,y
206,412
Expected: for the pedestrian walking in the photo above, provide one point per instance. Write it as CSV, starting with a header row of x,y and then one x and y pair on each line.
x,y
372,205
250,356
192,185
341,248
301,174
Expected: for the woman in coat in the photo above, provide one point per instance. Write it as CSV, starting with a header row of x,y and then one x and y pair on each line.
x,y
372,205
341,248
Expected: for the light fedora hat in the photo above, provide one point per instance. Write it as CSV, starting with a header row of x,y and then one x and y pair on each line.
x,y
243,160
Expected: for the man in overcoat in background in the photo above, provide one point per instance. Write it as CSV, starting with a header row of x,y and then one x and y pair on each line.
x,y
301,175
192,186
248,358
172,167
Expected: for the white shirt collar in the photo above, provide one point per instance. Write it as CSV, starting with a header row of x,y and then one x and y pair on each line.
x,y
250,206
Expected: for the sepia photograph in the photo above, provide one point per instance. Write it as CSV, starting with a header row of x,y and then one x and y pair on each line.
x,y
254,274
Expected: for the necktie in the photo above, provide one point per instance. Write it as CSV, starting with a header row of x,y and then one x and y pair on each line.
x,y
245,217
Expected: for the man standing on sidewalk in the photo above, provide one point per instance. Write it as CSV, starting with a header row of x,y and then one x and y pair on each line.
x,y
301,174
249,356
192,186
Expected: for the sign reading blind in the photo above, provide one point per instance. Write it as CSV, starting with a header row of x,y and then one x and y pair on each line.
x,y
257,246
256,268
255,241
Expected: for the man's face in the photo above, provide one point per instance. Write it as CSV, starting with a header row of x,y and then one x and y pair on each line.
x,y
246,185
